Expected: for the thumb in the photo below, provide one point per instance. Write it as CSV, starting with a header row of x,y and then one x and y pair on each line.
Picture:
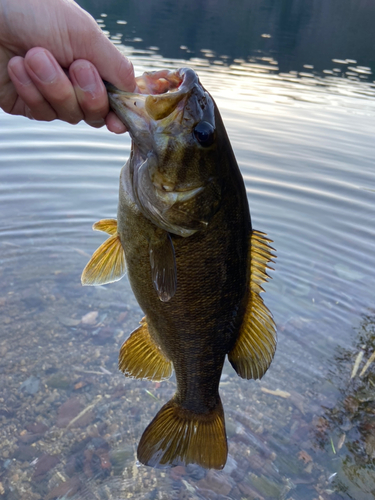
x,y
112,66
88,42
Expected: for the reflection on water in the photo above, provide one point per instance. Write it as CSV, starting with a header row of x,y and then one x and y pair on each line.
x,y
70,422
295,32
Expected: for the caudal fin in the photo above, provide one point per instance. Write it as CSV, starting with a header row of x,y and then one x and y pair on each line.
x,y
177,436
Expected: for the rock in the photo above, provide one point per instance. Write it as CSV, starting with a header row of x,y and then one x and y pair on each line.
x,y
120,458
58,381
36,428
347,273
29,438
26,453
69,321
370,446
90,318
71,409
266,487
122,316
65,490
45,463
217,482
176,473
195,471
207,494
30,385
250,493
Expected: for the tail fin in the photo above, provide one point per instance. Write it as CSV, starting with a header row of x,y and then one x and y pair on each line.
x,y
177,436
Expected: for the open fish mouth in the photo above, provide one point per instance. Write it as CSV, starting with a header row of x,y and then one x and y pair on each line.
x,y
157,94
164,117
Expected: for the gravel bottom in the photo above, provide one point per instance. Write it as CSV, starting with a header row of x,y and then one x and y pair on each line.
x,y
70,422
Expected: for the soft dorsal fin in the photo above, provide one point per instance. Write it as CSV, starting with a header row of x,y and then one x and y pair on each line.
x,y
140,357
256,344
107,263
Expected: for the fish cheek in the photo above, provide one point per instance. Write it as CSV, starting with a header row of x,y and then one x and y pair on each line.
x,y
204,205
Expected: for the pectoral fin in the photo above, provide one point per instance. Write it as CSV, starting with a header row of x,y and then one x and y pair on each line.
x,y
256,344
107,263
163,265
140,357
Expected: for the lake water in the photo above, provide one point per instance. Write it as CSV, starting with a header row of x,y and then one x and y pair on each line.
x,y
295,88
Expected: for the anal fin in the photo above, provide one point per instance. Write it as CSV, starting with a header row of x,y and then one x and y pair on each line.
x,y
107,263
255,347
140,357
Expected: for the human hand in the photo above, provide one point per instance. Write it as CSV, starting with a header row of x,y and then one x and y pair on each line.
x,y
37,40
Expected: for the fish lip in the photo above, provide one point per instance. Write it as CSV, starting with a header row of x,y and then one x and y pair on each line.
x,y
187,79
128,104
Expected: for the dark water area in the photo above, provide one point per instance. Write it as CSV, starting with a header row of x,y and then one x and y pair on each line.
x,y
296,33
298,104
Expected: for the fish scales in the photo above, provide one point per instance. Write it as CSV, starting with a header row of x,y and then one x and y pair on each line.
x,y
184,226
196,328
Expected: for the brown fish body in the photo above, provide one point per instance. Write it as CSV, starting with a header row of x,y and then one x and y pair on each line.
x,y
193,262
198,326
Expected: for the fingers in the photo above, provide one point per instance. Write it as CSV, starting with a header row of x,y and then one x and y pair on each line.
x,y
53,84
114,124
46,93
90,92
29,95
112,66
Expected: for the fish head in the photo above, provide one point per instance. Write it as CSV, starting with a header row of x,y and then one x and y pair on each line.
x,y
175,159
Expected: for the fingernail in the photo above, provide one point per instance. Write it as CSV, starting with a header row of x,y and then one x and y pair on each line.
x,y
19,72
85,77
43,67
96,123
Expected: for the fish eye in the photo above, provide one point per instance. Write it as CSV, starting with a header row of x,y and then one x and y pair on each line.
x,y
204,132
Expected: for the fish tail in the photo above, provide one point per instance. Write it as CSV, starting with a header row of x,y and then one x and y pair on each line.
x,y
177,436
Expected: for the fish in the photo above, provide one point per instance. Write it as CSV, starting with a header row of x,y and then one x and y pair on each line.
x,y
184,236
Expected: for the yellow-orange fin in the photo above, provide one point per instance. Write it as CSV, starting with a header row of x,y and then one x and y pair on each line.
x,y
107,263
140,357
177,436
108,226
255,347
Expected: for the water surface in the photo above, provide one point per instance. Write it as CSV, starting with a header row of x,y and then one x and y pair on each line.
x,y
69,421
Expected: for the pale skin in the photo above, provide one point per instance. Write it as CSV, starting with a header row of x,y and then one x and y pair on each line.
x,y
53,60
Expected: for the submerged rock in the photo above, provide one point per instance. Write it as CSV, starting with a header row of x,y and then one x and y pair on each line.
x,y
30,385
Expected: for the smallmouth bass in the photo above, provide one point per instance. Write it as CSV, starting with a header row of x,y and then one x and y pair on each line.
x,y
196,266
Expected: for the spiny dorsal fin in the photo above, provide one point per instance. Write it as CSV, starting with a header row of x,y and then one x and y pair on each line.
x,y
108,226
107,263
177,436
256,344
140,357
